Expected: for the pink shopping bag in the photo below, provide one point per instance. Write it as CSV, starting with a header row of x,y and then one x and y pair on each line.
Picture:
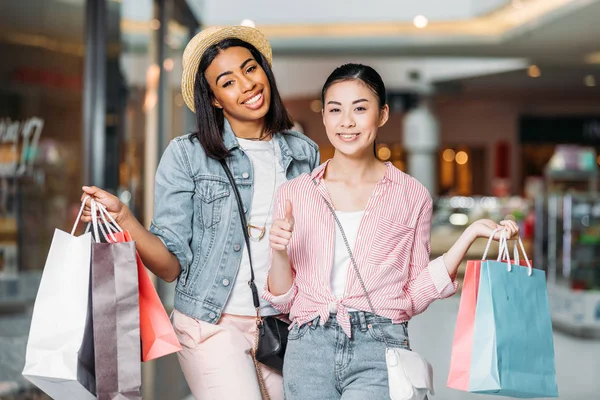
x,y
462,346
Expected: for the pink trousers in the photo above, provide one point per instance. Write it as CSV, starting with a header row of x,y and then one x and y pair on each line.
x,y
217,362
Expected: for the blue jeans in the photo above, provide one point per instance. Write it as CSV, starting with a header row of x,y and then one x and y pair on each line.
x,y
322,362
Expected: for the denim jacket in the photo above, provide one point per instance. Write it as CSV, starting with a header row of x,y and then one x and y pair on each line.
x,y
196,214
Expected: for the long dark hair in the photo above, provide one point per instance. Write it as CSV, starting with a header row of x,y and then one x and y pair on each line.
x,y
363,73
210,120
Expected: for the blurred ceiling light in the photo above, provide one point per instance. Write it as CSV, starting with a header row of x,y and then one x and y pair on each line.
x,y
248,22
593,58
534,71
448,155
497,22
384,153
459,219
589,81
155,24
316,106
420,21
168,64
462,158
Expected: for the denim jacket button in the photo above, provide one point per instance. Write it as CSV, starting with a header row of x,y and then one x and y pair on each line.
x,y
212,315
245,175
225,282
236,247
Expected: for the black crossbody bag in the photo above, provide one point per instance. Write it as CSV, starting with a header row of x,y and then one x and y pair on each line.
x,y
271,332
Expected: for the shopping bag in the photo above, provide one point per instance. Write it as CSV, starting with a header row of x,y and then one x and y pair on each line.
x,y
513,347
116,313
158,337
460,360
60,354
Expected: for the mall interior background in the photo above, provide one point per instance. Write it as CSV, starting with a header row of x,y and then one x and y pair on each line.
x,y
495,107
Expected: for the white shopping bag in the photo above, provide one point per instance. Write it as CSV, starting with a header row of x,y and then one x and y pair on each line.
x,y
60,349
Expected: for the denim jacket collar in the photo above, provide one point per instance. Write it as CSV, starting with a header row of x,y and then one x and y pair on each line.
x,y
229,138
231,142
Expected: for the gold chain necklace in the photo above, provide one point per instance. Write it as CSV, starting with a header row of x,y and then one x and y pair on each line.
x,y
262,230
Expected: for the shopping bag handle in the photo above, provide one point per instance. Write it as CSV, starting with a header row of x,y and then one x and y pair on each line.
x,y
85,199
96,225
504,254
503,247
112,226
489,242
516,255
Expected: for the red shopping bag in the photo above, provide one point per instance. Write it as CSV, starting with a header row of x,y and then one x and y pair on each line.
x,y
156,331
460,361
462,346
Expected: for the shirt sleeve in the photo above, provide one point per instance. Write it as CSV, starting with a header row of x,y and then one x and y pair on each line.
x,y
427,281
282,303
174,204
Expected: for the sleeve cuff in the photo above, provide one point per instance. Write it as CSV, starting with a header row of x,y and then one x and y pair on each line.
x,y
282,302
172,245
445,286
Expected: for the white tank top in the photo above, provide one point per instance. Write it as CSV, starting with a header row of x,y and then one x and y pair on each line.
x,y
341,259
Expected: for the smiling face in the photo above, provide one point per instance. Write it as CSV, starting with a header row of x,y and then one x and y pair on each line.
x,y
239,85
352,116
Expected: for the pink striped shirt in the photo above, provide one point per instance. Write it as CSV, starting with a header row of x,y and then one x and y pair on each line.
x,y
391,250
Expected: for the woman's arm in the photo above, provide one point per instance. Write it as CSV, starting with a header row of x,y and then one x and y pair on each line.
x,y
155,255
165,248
429,280
482,228
281,278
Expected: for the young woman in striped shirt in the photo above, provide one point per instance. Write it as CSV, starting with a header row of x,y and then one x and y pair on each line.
x,y
335,350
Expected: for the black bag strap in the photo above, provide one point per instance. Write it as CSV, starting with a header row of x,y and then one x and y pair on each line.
x,y
244,222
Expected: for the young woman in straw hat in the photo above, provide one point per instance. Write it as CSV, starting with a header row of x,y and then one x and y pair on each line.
x,y
196,236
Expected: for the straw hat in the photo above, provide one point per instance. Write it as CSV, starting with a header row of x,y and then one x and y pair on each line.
x,y
208,37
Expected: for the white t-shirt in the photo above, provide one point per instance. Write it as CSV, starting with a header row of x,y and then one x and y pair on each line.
x,y
266,167
350,221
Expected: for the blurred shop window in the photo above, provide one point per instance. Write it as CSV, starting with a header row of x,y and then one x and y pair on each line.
x,y
536,160
327,152
392,152
462,171
139,55
41,161
40,124
176,40
562,147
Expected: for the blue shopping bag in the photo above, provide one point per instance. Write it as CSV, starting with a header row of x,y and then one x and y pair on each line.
x,y
513,346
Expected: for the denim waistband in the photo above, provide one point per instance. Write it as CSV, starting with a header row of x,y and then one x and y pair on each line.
x,y
357,318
